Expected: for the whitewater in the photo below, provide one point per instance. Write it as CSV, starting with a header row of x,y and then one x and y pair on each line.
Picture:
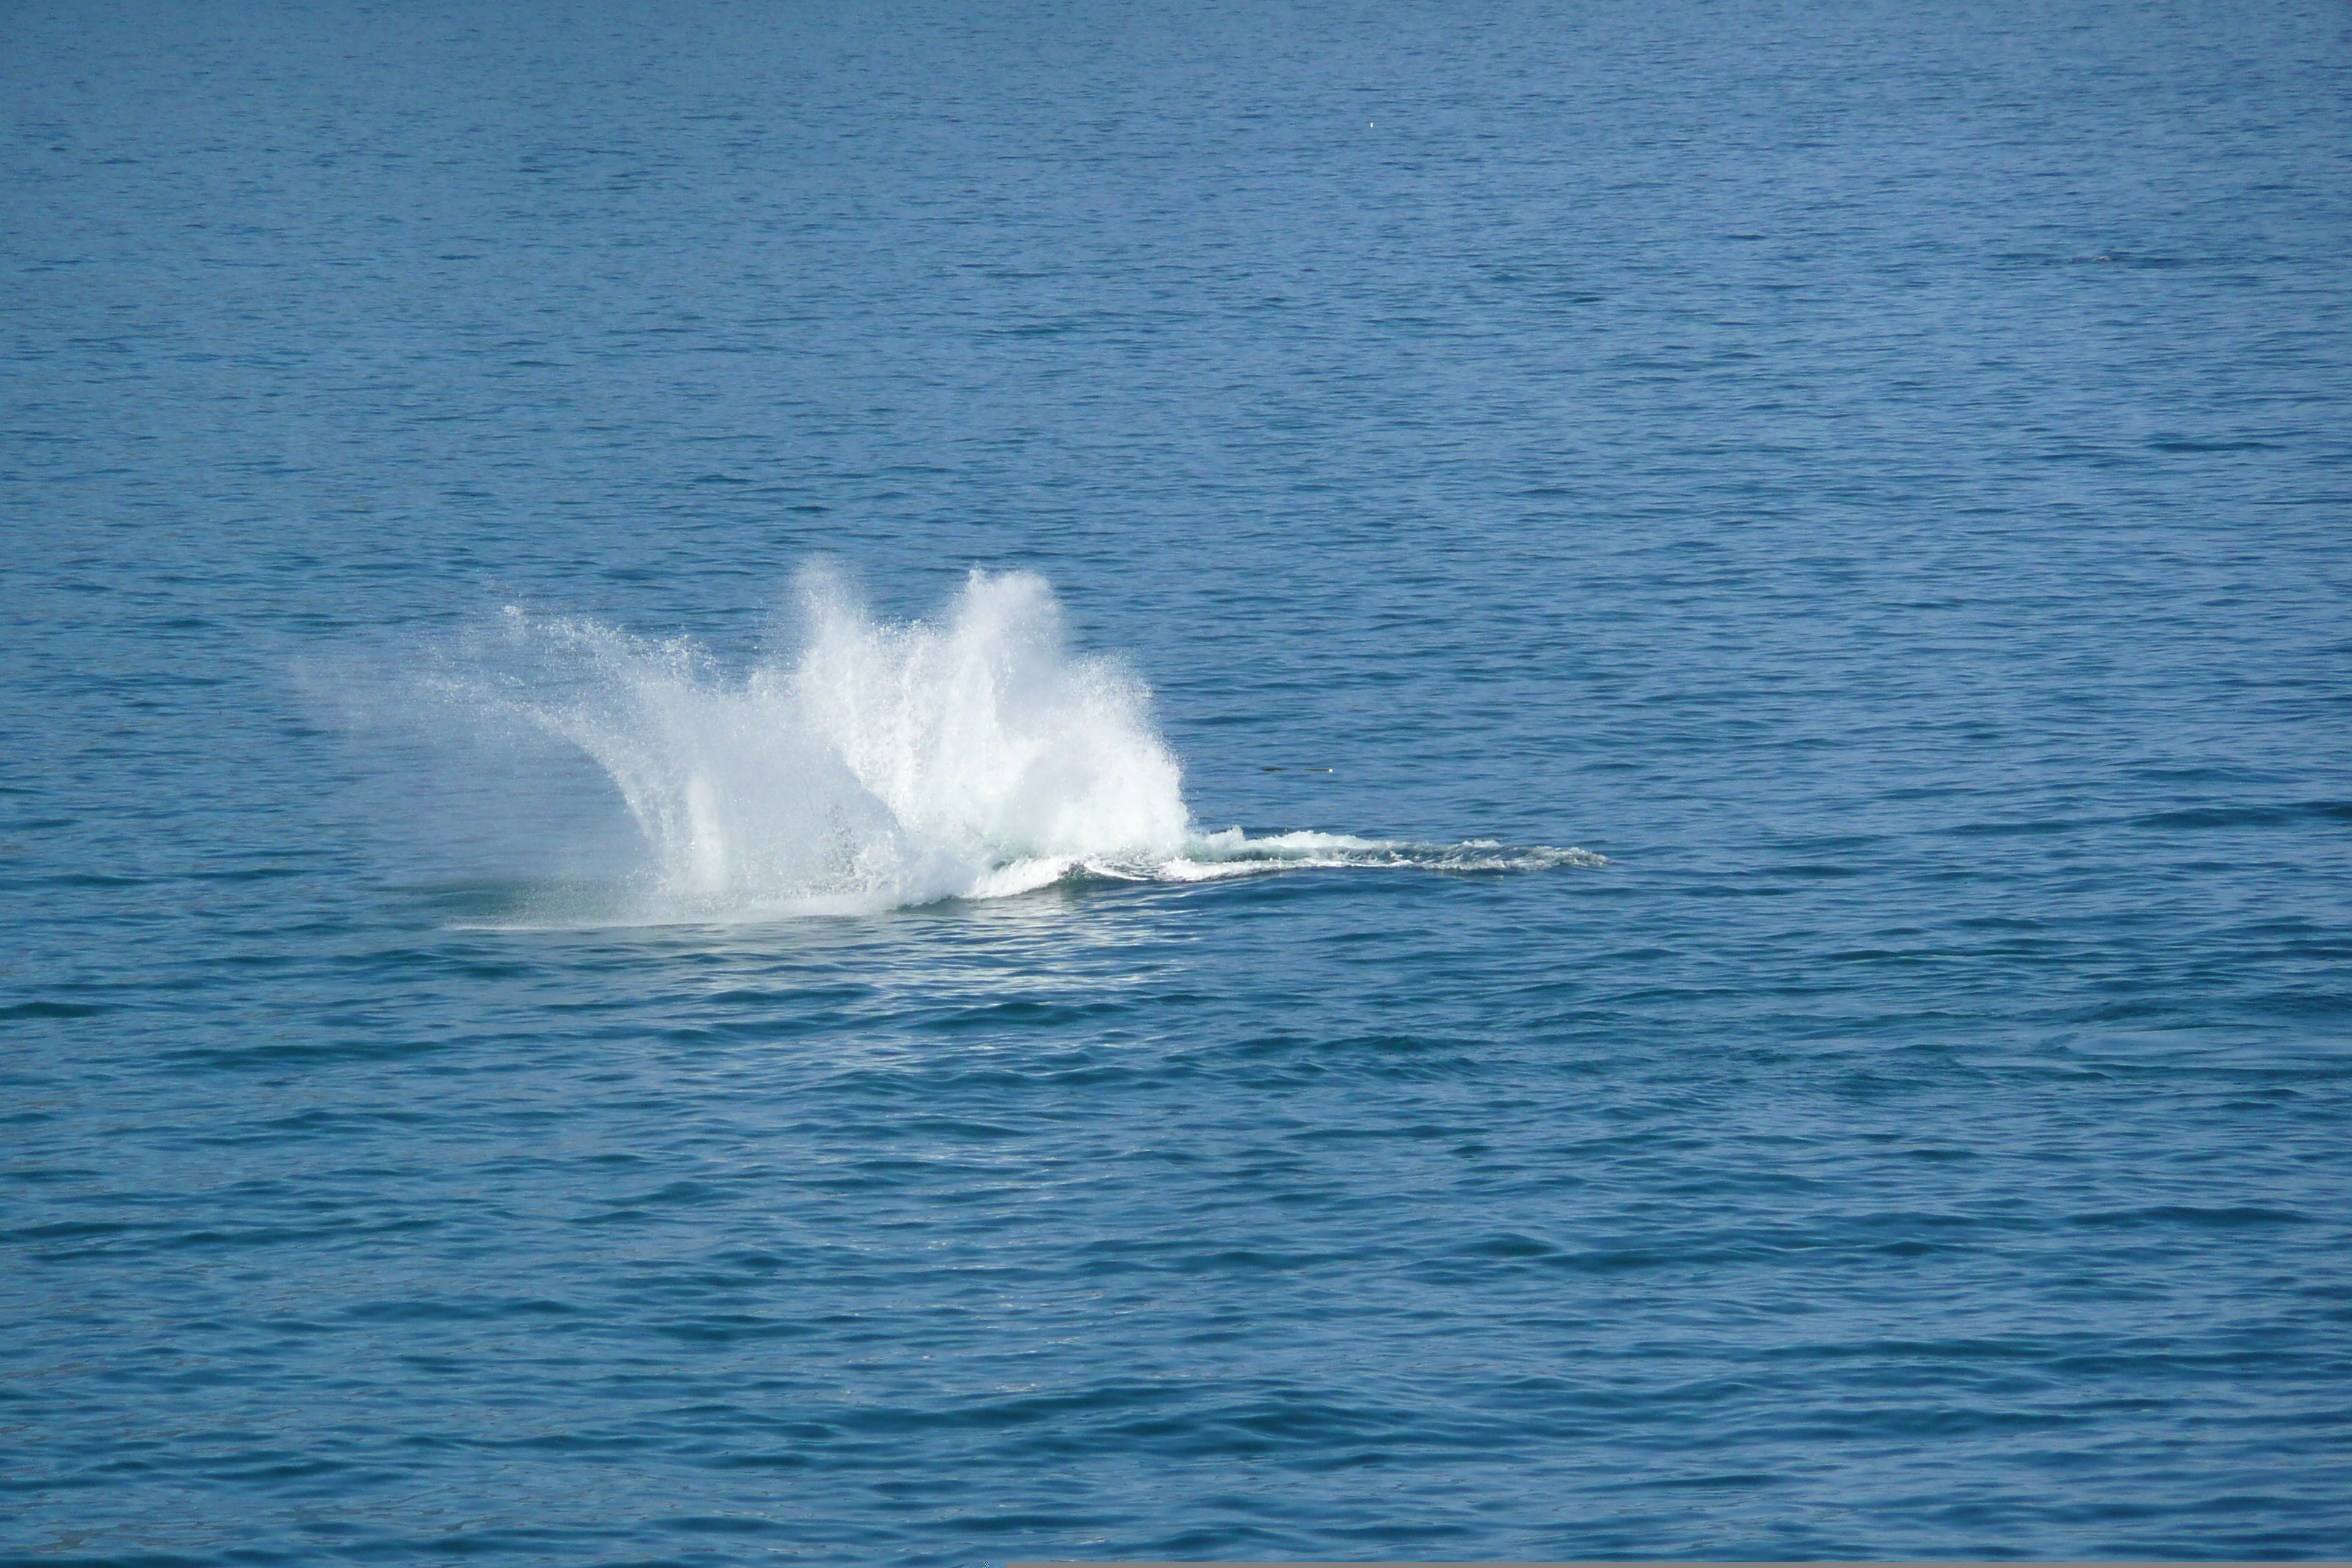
x,y
870,765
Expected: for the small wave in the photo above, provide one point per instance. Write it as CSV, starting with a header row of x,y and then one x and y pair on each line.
x,y
1234,854
1220,858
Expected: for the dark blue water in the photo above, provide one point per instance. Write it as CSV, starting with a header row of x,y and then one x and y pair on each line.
x,y
1881,476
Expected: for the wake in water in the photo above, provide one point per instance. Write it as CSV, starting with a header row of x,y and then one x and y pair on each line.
x,y
885,765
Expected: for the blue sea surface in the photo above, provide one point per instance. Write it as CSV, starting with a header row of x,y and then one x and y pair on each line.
x,y
489,1073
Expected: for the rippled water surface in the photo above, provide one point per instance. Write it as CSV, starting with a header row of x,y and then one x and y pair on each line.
x,y
1640,844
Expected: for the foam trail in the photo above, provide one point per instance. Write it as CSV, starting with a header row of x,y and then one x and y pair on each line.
x,y
880,765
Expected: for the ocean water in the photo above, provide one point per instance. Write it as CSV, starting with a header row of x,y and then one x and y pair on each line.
x,y
791,783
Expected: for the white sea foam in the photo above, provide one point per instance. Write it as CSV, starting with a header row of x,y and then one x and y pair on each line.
x,y
877,766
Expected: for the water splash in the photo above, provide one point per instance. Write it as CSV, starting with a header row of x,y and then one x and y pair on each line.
x,y
880,765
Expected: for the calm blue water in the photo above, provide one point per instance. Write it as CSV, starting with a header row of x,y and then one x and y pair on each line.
x,y
1881,476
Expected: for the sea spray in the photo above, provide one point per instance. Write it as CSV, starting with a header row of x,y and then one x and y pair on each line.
x,y
876,765
984,736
